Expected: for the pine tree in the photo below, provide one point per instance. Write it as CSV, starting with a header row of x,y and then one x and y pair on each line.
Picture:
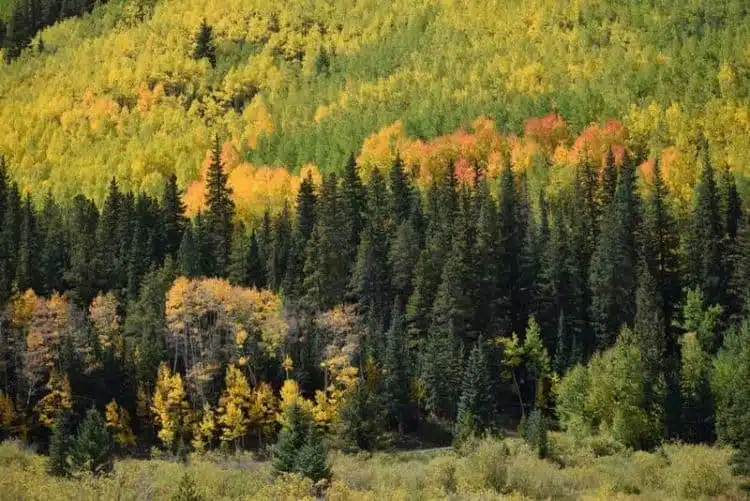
x,y
27,271
371,276
361,417
204,44
614,264
704,242
278,261
312,458
306,201
475,407
60,446
238,270
186,490
509,251
173,217
54,244
82,275
9,240
731,215
608,181
440,365
219,214
354,202
488,275
396,368
403,257
188,256
92,451
108,238
400,192
256,271
300,448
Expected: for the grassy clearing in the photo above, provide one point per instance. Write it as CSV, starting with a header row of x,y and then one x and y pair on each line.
x,y
492,470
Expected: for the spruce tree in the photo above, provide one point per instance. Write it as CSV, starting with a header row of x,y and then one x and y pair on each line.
x,y
400,192
403,257
361,417
475,407
608,181
83,272
354,201
219,214
10,238
704,241
60,445
238,270
173,217
27,271
108,238
281,246
300,448
54,246
371,276
306,201
188,255
440,364
92,451
204,44
488,275
509,252
396,370
186,490
312,458
614,264
256,270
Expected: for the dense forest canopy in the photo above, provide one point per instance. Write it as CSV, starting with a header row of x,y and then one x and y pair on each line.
x,y
367,225
307,81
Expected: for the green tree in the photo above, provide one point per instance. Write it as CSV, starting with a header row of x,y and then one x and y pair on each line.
x,y
173,217
400,192
219,214
281,247
300,449
731,371
475,406
312,459
188,256
27,272
396,378
615,261
361,417
204,44
186,490
354,204
608,181
92,451
60,446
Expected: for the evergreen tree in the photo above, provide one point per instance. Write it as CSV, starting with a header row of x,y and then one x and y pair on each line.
x,y
731,214
108,238
300,448
400,192
475,407
396,368
186,490
54,246
608,181
27,272
219,214
173,217
204,44
312,459
188,256
239,258
403,257
704,249
614,264
509,252
741,268
306,201
82,275
361,416
488,275
280,249
441,368
92,451
354,201
535,432
256,271
60,446
371,276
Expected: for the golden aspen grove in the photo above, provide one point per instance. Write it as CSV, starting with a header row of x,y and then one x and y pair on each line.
x,y
362,250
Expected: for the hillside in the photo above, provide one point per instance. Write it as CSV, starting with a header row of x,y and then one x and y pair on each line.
x,y
117,93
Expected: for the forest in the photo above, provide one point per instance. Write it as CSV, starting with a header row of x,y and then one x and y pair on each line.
x,y
411,250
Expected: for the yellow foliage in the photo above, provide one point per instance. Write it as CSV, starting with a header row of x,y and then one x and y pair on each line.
x,y
235,402
58,399
103,314
7,412
170,407
204,430
118,422
289,395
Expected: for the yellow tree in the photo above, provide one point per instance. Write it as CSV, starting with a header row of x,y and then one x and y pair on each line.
x,y
290,395
263,410
170,406
7,414
235,403
118,422
106,323
204,429
57,399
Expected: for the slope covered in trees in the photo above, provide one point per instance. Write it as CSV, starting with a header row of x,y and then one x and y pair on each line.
x,y
119,91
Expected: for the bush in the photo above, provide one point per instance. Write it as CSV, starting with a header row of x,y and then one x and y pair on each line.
x,y
534,477
485,468
697,471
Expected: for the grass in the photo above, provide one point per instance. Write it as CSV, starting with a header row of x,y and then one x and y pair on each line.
x,y
489,470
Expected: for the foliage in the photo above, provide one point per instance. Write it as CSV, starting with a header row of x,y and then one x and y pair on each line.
x,y
300,448
92,451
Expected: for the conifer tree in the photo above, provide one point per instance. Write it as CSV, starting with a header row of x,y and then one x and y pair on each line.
x,y
396,368
278,260
204,44
704,249
60,446
403,257
306,201
173,217
475,407
354,202
509,251
186,490
239,257
487,282
361,416
92,451
371,275
400,192
299,448
188,256
27,273
54,246
82,275
441,369
614,264
219,214
256,271
609,181
108,237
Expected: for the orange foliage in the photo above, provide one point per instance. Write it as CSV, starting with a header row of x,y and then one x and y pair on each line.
x,y
548,131
596,139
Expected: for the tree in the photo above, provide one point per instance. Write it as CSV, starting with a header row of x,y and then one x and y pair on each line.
x,y
614,263
355,201
731,370
235,405
173,217
300,449
60,446
27,274
170,406
186,490
280,249
400,192
219,214
704,241
118,422
204,44
509,251
535,432
92,451
396,369
188,257
361,417
475,407
608,181
441,370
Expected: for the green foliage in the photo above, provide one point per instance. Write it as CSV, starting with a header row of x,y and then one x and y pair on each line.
x,y
186,490
204,44
361,417
60,446
92,451
535,432
300,448
475,406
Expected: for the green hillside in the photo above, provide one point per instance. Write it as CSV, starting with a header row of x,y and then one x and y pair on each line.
x,y
117,92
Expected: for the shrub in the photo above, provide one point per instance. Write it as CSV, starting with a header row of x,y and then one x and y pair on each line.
x,y
534,477
186,490
697,471
485,468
